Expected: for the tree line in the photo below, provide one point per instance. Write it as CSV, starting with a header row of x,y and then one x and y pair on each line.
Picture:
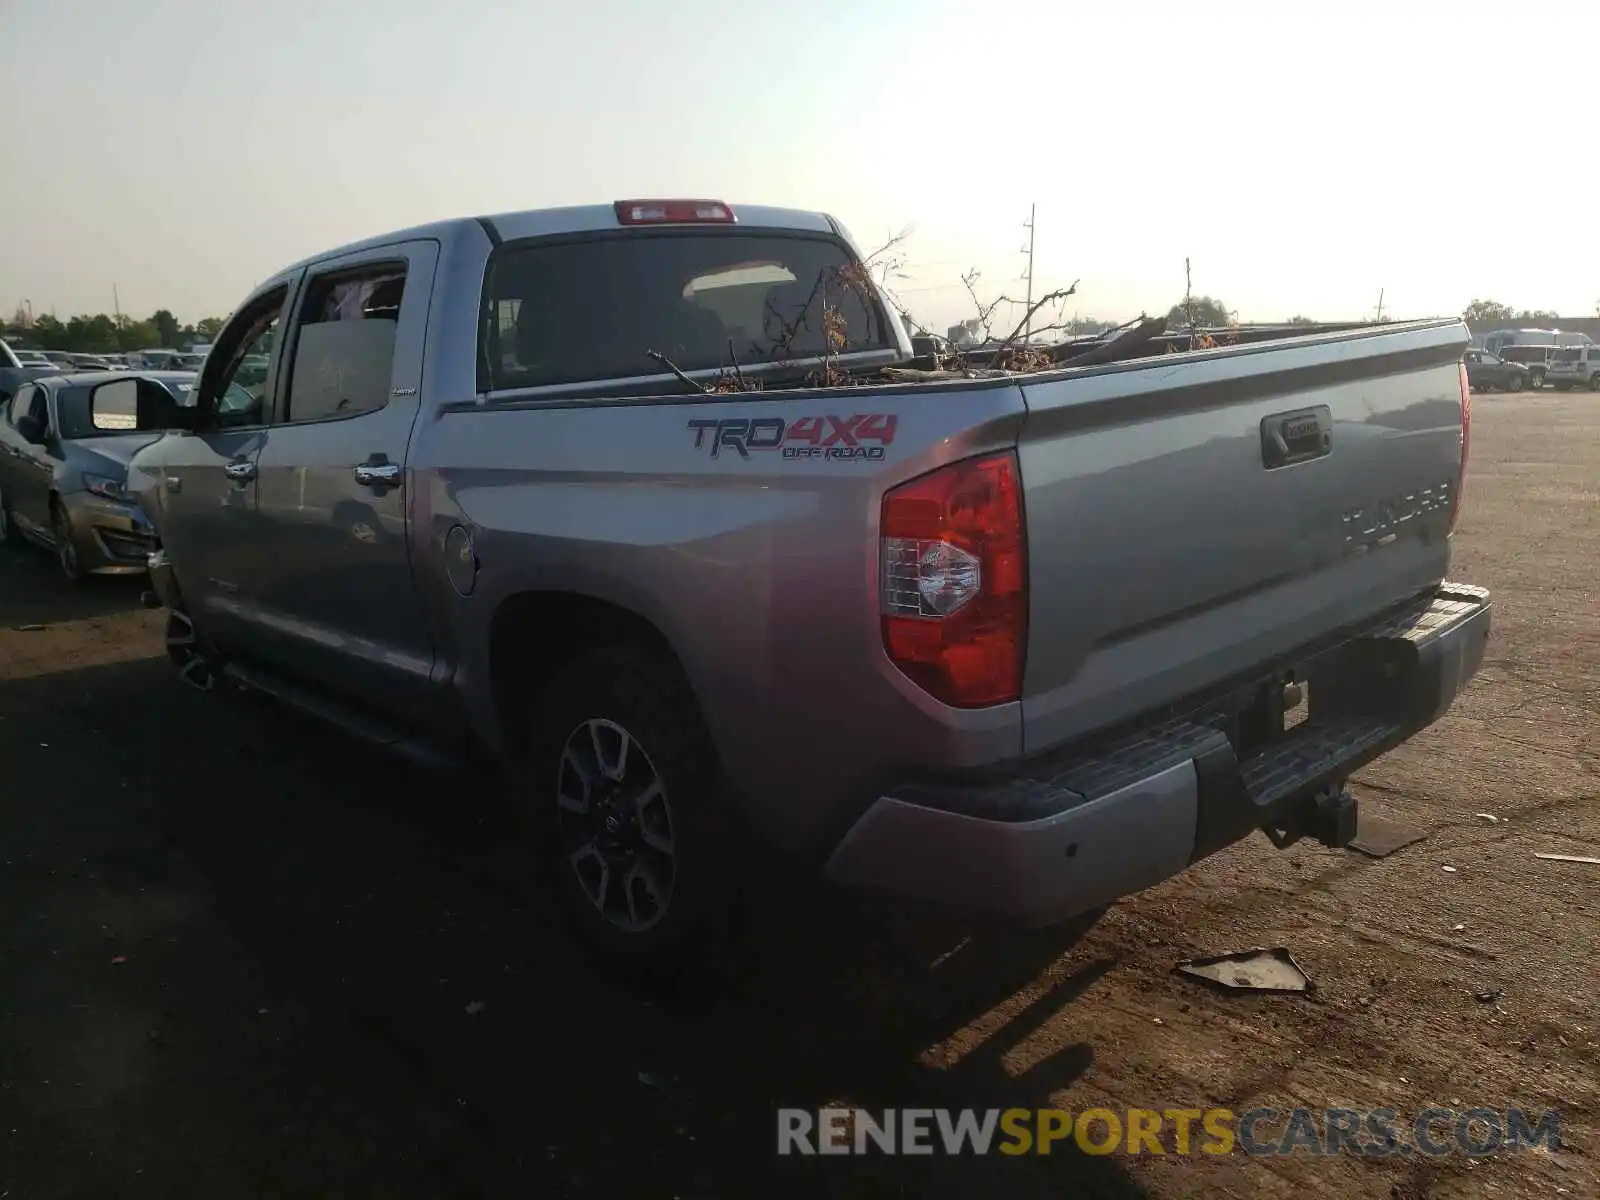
x,y
103,333
1493,311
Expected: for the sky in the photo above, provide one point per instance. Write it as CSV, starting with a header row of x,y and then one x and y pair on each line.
x,y
1303,155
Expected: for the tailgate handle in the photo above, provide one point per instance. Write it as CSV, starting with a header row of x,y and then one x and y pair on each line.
x,y
1296,437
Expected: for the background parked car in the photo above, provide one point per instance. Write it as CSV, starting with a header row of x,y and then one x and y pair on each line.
x,y
1575,366
14,372
1486,371
1535,358
91,362
65,443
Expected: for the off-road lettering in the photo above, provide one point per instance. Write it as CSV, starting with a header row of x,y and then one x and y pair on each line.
x,y
832,437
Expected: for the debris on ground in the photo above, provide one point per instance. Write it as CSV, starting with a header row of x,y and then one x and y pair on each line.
x,y
28,628
1577,858
1488,997
651,1079
476,1007
121,958
1448,868
1378,838
1260,970
1490,817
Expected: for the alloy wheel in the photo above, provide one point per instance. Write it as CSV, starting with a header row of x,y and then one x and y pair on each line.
x,y
66,548
616,825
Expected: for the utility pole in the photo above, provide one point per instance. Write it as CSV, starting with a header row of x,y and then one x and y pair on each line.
x,y
1380,305
1188,301
1027,321
116,305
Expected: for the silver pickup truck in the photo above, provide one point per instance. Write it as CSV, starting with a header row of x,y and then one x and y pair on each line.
x,y
643,499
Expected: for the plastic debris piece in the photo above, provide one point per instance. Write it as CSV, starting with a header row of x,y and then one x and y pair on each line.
x,y
1577,858
1490,817
1260,970
121,958
29,628
476,1007
651,1079
1377,838
1488,997
1451,870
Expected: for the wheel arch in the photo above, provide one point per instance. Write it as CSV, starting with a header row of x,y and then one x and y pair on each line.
x,y
534,634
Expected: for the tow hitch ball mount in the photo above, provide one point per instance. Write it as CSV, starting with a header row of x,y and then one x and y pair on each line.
x,y
1328,815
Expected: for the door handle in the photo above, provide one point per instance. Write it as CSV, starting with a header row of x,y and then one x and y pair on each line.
x,y
240,472
379,474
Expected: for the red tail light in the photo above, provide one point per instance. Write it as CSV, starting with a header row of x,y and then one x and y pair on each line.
x,y
1466,440
674,212
954,577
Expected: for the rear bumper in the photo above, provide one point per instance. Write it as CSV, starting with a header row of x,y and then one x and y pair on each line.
x,y
1065,834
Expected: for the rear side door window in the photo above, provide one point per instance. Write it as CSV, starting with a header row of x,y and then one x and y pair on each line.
x,y
19,404
342,359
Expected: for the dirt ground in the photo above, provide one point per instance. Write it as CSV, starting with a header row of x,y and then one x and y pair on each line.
x,y
237,953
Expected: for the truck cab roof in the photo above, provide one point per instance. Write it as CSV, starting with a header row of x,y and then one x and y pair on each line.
x,y
583,218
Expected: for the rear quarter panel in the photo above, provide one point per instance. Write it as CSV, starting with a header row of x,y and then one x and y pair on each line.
x,y
760,569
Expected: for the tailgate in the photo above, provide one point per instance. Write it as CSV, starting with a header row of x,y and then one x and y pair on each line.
x,y
1197,516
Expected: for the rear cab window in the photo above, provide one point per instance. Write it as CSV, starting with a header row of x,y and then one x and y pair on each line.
x,y
574,311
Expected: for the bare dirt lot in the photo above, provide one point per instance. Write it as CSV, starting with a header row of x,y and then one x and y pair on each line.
x,y
240,956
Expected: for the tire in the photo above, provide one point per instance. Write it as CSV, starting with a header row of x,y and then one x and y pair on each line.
x,y
1537,379
630,825
1594,382
1514,384
66,546
8,529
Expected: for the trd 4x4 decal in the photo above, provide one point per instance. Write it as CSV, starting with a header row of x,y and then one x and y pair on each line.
x,y
827,437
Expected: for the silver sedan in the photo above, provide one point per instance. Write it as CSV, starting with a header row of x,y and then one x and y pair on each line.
x,y
65,443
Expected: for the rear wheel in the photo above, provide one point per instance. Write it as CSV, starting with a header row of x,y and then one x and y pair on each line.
x,y
1514,384
1537,379
1594,382
628,814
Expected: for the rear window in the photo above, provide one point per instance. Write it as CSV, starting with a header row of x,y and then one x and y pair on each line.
x,y
574,312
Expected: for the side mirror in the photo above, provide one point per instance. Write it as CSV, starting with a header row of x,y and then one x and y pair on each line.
x,y
32,428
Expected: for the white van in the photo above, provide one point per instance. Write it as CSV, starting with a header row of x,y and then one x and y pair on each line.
x,y
1574,366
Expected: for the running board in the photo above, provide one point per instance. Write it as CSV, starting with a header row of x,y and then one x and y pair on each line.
x,y
346,717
